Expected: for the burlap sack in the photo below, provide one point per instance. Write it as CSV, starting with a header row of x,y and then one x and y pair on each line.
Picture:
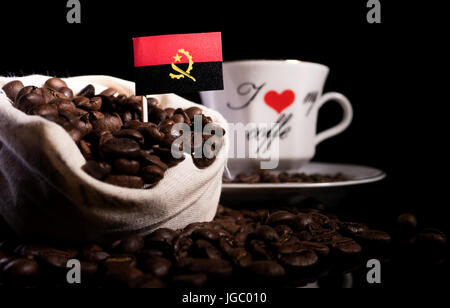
x,y
45,193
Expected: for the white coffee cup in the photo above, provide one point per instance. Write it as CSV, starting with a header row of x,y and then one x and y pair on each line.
x,y
288,92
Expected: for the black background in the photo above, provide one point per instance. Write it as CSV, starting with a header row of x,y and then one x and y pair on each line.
x,y
394,73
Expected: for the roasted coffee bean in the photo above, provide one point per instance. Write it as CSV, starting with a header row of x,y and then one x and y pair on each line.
x,y
21,268
86,150
207,234
75,134
88,91
302,259
112,123
89,268
220,268
161,235
203,162
12,88
109,92
147,159
98,170
407,224
131,134
266,269
152,174
181,112
157,266
320,249
125,275
56,260
151,134
346,247
129,181
374,237
303,221
122,260
126,166
89,104
55,83
431,236
190,280
281,217
120,147
32,98
193,111
352,228
94,253
266,233
50,112
157,115
67,92
132,244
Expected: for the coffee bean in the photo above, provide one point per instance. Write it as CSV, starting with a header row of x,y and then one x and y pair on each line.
x,y
88,268
148,159
407,224
126,166
374,237
55,83
320,249
89,104
120,147
50,112
302,259
122,260
67,92
157,115
219,268
182,113
152,174
94,253
131,134
266,269
98,170
193,111
190,280
132,244
109,92
129,181
12,88
266,233
281,217
346,247
126,276
157,266
353,228
21,268
432,236
112,123
88,91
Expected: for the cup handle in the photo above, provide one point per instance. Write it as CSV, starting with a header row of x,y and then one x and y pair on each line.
x,y
346,120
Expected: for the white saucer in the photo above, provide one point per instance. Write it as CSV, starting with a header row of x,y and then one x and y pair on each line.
x,y
354,174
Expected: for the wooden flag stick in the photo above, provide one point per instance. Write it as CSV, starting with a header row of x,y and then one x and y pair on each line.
x,y
144,109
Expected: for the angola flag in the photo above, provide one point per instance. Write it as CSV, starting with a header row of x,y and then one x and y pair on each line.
x,y
178,63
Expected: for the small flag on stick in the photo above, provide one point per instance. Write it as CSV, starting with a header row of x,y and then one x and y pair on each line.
x,y
178,63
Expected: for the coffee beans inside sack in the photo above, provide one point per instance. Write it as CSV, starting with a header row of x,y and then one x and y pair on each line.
x,y
119,148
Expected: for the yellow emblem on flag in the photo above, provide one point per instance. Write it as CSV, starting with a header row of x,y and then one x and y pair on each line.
x,y
182,74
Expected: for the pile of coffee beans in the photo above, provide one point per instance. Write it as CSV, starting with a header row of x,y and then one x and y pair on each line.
x,y
241,247
265,176
119,148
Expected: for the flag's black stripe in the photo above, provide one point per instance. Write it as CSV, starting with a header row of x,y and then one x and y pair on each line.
x,y
156,80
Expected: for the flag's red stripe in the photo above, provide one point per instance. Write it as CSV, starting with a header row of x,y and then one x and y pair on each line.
x,y
160,50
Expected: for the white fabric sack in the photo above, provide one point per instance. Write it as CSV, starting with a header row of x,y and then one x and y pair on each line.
x,y
45,193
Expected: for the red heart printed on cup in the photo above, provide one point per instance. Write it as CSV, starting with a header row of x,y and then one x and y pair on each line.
x,y
279,102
